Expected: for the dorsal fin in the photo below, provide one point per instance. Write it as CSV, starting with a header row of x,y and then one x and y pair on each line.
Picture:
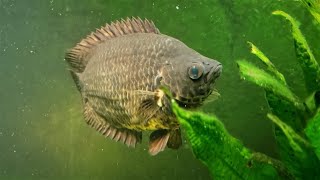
x,y
76,56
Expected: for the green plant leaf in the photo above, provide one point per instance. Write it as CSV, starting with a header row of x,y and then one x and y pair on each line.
x,y
295,151
263,79
286,111
313,132
224,155
298,158
313,102
289,132
267,62
314,8
308,63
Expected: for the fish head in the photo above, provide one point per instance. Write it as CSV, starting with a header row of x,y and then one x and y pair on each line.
x,y
191,78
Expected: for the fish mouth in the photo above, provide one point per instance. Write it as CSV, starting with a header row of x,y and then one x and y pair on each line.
x,y
213,74
193,102
189,104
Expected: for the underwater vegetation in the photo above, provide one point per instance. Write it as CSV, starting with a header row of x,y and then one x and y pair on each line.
x,y
314,8
297,121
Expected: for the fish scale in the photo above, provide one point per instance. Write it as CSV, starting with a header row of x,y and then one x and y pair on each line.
x,y
119,70
133,83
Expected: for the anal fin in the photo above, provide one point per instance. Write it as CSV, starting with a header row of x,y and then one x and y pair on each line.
x,y
126,136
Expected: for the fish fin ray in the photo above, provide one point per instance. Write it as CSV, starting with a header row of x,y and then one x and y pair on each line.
x,y
126,136
148,109
76,56
143,92
75,77
158,141
212,97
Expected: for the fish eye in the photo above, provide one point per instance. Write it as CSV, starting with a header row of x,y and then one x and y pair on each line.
x,y
195,71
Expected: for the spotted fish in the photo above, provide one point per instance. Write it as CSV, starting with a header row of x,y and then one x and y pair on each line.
x,y
118,70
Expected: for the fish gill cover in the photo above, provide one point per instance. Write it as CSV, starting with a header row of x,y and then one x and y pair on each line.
x,y
297,121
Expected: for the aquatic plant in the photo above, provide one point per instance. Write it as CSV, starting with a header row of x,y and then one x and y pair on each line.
x,y
297,123
224,155
297,130
314,8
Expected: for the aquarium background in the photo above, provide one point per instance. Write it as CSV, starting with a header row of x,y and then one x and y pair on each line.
x,y
42,131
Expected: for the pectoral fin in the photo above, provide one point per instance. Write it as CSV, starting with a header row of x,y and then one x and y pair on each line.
x,y
158,141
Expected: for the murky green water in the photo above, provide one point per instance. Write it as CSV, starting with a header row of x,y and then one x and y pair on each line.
x,y
42,131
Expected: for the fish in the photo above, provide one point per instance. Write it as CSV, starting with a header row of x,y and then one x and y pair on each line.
x,y
119,70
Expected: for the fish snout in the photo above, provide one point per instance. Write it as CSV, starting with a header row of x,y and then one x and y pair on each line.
x,y
214,72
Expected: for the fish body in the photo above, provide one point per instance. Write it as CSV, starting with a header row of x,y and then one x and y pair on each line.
x,y
119,70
